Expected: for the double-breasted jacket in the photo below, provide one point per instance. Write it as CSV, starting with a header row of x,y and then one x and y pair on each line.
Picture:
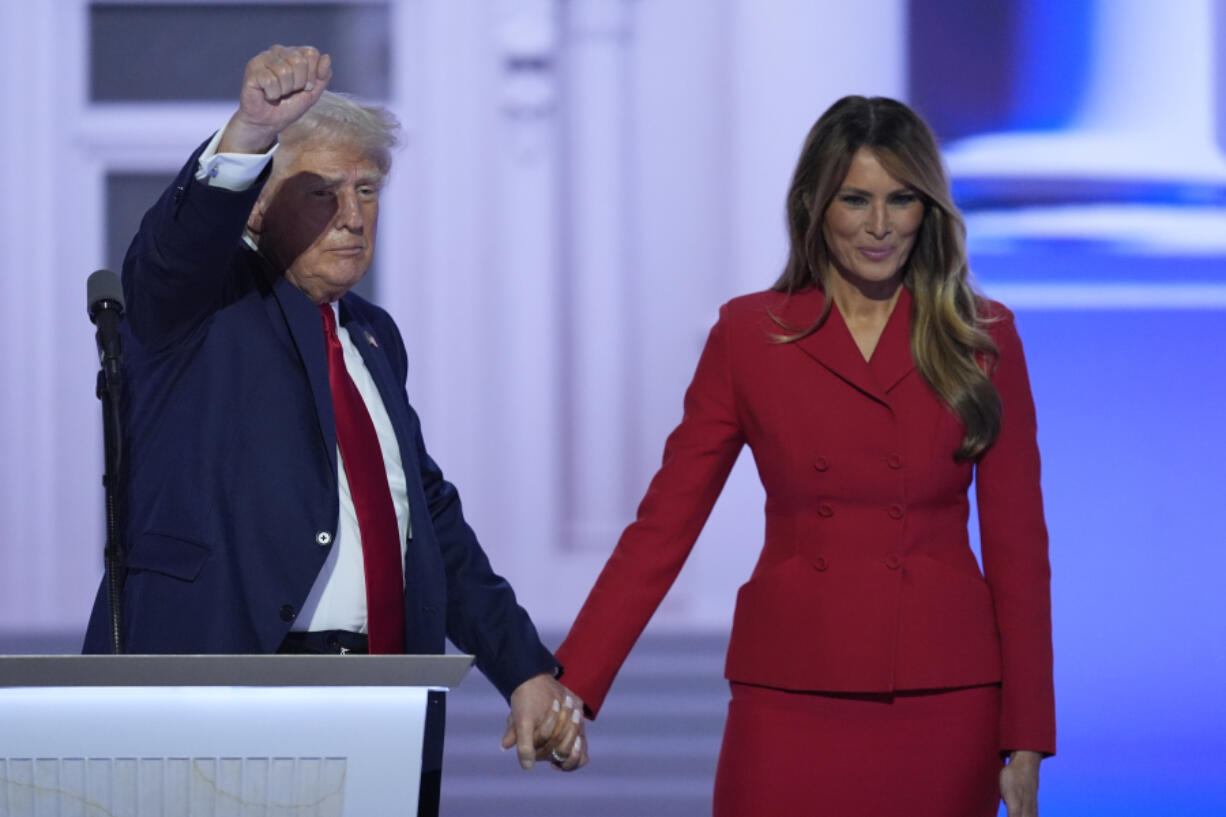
x,y
866,581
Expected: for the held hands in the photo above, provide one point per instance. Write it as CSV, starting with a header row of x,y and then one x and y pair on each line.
x,y
546,723
279,86
1019,784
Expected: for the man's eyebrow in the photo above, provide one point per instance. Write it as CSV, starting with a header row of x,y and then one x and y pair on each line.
x,y
375,179
322,180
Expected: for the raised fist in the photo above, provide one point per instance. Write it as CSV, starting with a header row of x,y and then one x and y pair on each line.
x,y
279,86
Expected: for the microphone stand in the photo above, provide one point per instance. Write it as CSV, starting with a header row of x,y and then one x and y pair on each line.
x,y
104,298
108,390
104,301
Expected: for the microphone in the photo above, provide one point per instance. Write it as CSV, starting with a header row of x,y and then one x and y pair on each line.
x,y
104,300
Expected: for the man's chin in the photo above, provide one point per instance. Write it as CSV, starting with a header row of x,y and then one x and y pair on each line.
x,y
329,286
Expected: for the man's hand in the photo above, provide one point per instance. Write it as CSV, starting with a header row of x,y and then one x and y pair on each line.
x,y
279,86
1019,784
546,723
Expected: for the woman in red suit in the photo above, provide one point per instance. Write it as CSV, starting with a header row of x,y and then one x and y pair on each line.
x,y
874,669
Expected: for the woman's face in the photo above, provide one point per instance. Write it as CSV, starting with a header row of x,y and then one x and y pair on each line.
x,y
871,224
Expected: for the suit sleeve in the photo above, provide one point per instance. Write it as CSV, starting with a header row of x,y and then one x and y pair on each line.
x,y
1013,538
698,456
178,269
483,616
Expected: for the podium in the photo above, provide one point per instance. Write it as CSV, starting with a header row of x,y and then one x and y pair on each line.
x,y
223,735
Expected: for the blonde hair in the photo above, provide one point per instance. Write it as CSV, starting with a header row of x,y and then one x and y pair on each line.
x,y
949,344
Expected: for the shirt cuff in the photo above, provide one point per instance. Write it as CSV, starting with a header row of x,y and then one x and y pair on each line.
x,y
231,171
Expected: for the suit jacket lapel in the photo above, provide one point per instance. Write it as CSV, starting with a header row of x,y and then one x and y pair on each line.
x,y
834,347
301,316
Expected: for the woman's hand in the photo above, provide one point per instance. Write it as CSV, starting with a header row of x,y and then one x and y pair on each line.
x,y
1019,784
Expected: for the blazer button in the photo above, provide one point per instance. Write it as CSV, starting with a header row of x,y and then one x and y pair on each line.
x,y
825,510
894,461
819,563
821,463
893,562
287,612
895,511
323,538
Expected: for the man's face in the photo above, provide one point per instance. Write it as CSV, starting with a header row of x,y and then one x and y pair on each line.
x,y
316,219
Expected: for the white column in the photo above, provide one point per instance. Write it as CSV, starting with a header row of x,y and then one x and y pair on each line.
x,y
599,313
521,280
50,239
792,59
27,245
433,224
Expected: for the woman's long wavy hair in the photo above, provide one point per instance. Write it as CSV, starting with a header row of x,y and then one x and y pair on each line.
x,y
948,343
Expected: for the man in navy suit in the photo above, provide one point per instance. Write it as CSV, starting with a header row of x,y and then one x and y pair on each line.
x,y
245,529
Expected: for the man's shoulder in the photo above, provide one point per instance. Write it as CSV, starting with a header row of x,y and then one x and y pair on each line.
x,y
366,311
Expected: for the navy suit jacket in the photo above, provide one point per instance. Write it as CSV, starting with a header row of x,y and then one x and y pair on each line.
x,y
230,462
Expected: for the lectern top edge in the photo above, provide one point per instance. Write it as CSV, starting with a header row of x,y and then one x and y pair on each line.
x,y
233,670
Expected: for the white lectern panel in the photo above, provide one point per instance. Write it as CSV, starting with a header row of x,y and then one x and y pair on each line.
x,y
210,751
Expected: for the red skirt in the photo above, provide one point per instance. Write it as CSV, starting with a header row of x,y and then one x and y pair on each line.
x,y
918,754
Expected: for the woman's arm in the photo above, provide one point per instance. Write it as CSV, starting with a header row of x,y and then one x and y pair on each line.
x,y
1013,538
698,456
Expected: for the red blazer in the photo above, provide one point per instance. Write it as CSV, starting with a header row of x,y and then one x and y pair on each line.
x,y
866,582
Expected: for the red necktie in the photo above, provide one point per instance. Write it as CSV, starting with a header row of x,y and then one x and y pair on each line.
x,y
372,500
